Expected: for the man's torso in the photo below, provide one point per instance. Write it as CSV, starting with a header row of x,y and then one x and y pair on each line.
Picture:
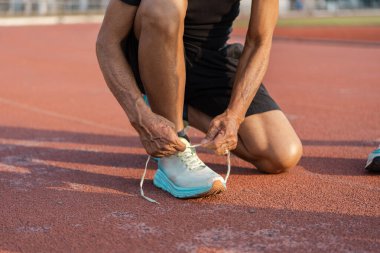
x,y
208,23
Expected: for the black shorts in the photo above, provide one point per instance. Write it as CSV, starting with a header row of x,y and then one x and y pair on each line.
x,y
210,76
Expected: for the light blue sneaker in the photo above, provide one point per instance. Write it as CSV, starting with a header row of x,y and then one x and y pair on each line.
x,y
373,162
184,175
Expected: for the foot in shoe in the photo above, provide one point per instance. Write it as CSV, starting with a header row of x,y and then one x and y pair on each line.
x,y
373,162
184,175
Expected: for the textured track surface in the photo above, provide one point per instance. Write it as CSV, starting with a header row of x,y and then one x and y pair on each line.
x,y
70,162
343,33
217,188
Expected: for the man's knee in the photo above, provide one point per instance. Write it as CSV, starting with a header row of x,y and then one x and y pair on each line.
x,y
163,16
281,161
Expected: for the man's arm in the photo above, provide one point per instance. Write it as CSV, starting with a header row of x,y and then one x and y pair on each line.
x,y
223,131
117,24
254,60
156,133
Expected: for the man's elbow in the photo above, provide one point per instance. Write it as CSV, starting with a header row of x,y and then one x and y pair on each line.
x,y
107,45
259,40
100,45
104,42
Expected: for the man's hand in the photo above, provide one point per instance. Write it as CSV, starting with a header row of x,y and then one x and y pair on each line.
x,y
223,132
158,136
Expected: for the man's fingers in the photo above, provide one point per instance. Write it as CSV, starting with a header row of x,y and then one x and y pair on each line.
x,y
163,153
222,143
171,149
209,144
214,144
176,143
212,132
180,146
224,148
161,149
211,140
221,150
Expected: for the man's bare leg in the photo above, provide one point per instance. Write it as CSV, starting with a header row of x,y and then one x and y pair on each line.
x,y
267,140
159,26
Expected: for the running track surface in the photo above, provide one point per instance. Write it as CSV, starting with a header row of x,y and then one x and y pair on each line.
x,y
70,163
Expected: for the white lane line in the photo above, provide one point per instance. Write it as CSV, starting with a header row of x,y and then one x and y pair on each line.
x,y
71,146
51,20
60,116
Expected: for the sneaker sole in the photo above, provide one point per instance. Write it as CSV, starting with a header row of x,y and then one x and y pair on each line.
x,y
163,182
374,166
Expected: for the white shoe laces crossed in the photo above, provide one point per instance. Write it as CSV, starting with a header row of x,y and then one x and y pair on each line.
x,y
190,159
191,162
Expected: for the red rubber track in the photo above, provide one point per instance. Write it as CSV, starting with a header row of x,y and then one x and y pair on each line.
x,y
337,33
70,163
343,33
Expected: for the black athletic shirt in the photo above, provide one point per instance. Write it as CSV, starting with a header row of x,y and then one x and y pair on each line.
x,y
208,23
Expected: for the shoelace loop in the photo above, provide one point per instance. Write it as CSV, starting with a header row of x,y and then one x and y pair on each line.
x,y
192,162
192,146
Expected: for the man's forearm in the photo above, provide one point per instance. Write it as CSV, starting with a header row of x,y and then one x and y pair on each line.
x,y
121,81
250,73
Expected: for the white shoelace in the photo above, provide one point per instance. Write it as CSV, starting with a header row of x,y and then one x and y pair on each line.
x,y
191,161
192,146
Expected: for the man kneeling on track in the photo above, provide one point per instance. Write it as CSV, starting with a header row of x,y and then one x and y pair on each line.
x,y
176,53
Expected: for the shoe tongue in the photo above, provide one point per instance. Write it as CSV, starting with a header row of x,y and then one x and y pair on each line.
x,y
185,141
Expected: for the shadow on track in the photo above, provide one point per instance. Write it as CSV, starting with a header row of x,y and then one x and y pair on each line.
x,y
335,166
322,165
